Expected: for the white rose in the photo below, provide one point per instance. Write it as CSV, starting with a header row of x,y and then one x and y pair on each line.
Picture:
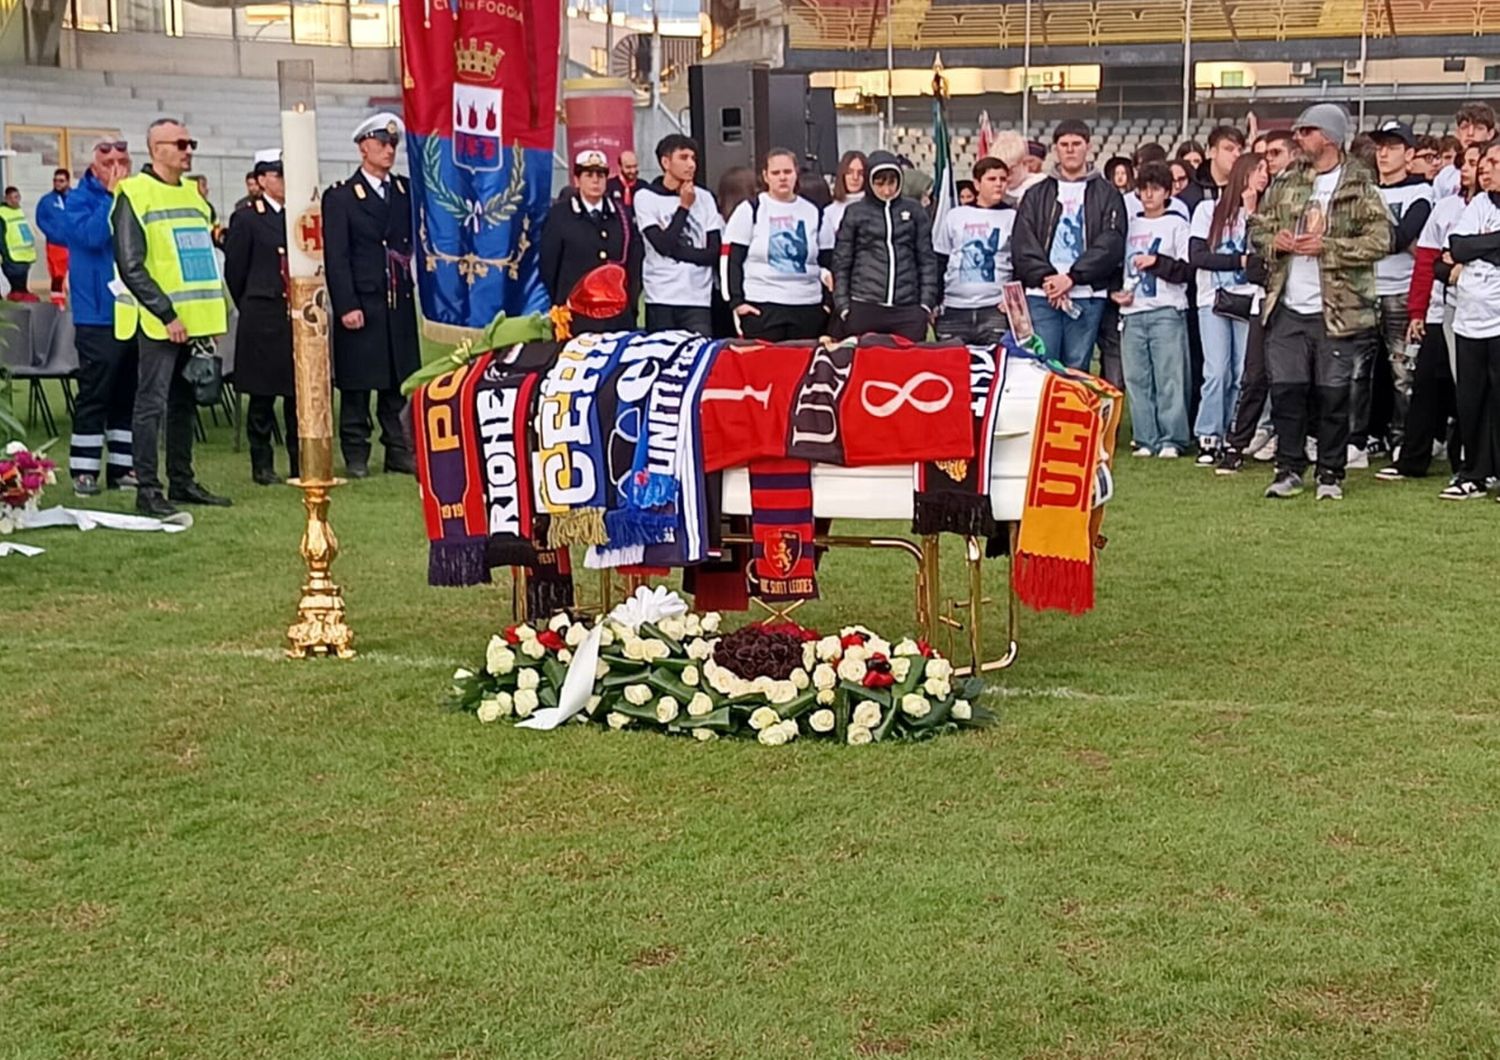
x,y
859,735
528,678
560,622
800,679
821,721
672,627
700,705
462,675
666,710
962,711
692,625
809,654
601,668
533,648
915,706
638,695
723,681
699,650
577,632
867,715
506,703
824,677
655,649
711,622
635,649
705,735
773,736
825,697
618,721
593,705
489,709
901,667
829,648
857,651
525,701
498,658
782,692
852,670
764,718
878,646
565,656
525,633
936,687
690,676
790,728
938,667
606,636
908,647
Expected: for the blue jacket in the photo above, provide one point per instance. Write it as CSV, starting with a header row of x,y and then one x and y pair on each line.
x,y
49,217
91,251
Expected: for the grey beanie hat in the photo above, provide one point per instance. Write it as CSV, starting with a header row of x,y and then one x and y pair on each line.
x,y
1331,118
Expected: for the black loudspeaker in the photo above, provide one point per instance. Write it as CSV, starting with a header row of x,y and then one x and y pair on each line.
x,y
740,111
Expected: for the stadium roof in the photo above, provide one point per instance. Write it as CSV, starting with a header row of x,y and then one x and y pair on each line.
x,y
852,33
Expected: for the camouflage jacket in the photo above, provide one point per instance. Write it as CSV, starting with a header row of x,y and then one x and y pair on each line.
x,y
1358,234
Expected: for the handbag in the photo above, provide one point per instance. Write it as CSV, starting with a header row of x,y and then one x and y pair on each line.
x,y
1233,306
204,372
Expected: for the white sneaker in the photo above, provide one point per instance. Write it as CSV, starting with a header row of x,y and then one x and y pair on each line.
x,y
1168,452
1208,451
1262,440
1140,450
1312,450
1356,457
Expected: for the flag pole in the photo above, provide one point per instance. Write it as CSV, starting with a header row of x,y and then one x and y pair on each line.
x,y
1026,77
320,628
890,79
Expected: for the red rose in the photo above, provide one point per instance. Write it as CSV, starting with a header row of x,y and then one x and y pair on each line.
x,y
925,649
878,679
551,640
511,636
852,640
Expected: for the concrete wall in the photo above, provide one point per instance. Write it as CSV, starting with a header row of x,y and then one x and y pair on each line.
x,y
222,57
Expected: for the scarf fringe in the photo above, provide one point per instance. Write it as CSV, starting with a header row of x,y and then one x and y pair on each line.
x,y
631,526
508,550
577,526
969,514
457,563
1047,583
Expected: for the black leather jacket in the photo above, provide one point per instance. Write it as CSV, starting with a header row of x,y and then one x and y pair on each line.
x,y
1104,223
883,256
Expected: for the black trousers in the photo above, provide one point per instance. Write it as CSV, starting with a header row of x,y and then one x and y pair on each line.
x,y
355,428
19,278
260,427
162,393
1195,357
908,321
1255,387
1478,404
698,319
1111,368
984,326
1308,365
783,323
101,442
1431,407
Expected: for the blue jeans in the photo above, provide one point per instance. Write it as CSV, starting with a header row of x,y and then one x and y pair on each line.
x,y
1224,345
1154,355
1067,340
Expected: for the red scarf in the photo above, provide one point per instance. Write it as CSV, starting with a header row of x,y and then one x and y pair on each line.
x,y
450,476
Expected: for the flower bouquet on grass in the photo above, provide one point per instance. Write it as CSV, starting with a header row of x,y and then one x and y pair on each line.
x,y
675,673
23,475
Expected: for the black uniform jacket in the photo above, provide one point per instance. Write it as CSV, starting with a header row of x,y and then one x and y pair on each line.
x,y
254,253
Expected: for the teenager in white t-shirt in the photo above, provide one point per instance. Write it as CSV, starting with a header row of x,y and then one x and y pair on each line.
x,y
973,245
1474,254
777,255
1475,124
1430,303
682,228
1153,307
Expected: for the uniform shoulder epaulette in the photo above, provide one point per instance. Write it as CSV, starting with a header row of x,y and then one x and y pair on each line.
x,y
359,189
336,184
401,185
260,206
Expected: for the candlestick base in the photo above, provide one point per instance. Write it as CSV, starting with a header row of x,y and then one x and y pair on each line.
x,y
320,629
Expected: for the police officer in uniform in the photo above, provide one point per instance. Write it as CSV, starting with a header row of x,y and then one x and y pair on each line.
x,y
584,229
174,298
255,272
367,246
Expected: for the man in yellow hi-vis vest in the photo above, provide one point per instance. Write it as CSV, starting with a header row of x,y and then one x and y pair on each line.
x,y
172,297
17,247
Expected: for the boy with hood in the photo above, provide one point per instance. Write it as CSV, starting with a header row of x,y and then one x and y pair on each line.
x,y
1068,248
885,274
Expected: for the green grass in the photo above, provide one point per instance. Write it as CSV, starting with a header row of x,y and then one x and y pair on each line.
x,y
1245,808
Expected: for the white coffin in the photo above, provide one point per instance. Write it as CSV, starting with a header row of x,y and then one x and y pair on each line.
x,y
885,492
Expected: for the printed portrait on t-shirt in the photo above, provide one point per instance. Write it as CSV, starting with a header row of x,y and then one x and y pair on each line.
x,y
1142,243
1235,241
786,249
976,261
1067,241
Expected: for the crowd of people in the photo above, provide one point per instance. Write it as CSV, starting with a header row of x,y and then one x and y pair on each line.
x,y
1305,298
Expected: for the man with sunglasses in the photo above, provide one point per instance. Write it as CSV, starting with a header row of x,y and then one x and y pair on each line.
x,y
173,303
49,214
100,453
367,236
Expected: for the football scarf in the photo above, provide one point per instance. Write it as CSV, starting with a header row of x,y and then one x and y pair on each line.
x,y
569,464
690,510
903,404
782,526
816,429
746,401
549,582
1053,568
503,405
646,367
449,475
953,495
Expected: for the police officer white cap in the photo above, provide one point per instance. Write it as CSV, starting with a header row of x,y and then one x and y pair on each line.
x,y
268,161
591,158
384,124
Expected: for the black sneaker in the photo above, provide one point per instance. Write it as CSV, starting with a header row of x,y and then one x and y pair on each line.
x,y
196,494
1463,490
1329,488
85,485
265,477
1230,463
1286,485
357,469
152,503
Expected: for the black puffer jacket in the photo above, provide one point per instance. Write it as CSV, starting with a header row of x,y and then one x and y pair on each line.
x,y
883,255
